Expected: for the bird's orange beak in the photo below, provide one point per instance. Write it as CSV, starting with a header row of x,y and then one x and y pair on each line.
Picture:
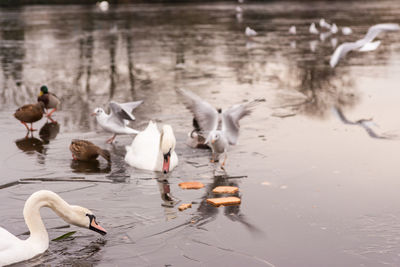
x,y
166,163
212,141
94,226
41,93
93,114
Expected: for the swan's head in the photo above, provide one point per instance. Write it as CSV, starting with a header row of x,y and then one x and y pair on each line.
x,y
83,217
98,112
167,145
213,137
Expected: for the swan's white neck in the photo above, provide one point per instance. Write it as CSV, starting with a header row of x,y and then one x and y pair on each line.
x,y
39,237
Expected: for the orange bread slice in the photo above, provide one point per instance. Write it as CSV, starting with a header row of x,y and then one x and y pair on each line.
x,y
225,190
184,206
224,201
191,185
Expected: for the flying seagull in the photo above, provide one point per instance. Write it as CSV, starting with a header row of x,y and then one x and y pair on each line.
x,y
364,44
220,129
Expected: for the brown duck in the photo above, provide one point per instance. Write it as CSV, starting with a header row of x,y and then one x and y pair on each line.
x,y
29,114
50,100
86,151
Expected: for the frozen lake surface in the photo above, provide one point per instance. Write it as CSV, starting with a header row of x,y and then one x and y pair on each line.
x,y
317,161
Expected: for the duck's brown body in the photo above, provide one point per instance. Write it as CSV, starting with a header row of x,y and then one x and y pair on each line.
x,y
50,100
30,113
84,150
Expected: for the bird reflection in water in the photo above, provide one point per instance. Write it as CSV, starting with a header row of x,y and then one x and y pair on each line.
x,y
92,166
49,131
30,144
169,200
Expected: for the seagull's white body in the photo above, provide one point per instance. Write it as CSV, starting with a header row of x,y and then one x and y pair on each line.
x,y
149,146
365,44
103,6
292,29
238,9
313,29
347,31
117,121
221,129
13,249
324,24
334,28
250,32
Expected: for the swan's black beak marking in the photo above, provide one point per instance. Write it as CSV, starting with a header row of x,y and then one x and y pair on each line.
x,y
167,158
94,226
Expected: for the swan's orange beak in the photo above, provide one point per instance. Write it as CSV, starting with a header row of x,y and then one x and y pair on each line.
x,y
166,162
94,226
212,141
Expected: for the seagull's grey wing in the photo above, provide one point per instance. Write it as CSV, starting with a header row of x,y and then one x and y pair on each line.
x,y
205,114
128,107
378,28
120,114
342,50
231,117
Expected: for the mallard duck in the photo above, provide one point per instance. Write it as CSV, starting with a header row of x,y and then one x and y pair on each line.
x,y
50,100
29,114
86,151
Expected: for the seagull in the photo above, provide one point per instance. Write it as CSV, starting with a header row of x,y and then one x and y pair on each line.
x,y
334,28
292,30
103,6
220,128
364,44
324,24
238,9
313,29
347,31
117,121
250,32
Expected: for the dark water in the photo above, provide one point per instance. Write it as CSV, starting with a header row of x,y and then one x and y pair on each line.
x,y
321,184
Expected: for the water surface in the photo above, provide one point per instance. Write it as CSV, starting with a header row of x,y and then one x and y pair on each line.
x,y
317,161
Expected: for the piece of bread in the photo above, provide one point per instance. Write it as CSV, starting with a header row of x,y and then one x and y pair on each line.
x,y
224,201
225,190
191,185
184,206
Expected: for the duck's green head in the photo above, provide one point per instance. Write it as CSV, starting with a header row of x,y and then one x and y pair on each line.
x,y
43,90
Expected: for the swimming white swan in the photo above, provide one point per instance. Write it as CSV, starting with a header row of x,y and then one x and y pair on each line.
x,y
152,150
13,249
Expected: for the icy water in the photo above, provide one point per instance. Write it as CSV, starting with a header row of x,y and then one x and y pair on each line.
x,y
316,164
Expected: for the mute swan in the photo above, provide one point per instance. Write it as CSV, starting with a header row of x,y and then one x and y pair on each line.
x,y
152,150
13,249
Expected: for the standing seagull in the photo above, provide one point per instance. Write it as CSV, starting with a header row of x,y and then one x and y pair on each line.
x,y
117,121
220,128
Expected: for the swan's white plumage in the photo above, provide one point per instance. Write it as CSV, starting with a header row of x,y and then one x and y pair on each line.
x,y
13,249
146,153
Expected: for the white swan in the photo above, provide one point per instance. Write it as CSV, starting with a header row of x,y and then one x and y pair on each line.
x,y
13,249
152,150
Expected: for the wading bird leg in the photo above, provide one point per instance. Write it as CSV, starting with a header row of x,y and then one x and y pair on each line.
x,y
31,129
109,141
24,123
49,114
223,163
212,157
